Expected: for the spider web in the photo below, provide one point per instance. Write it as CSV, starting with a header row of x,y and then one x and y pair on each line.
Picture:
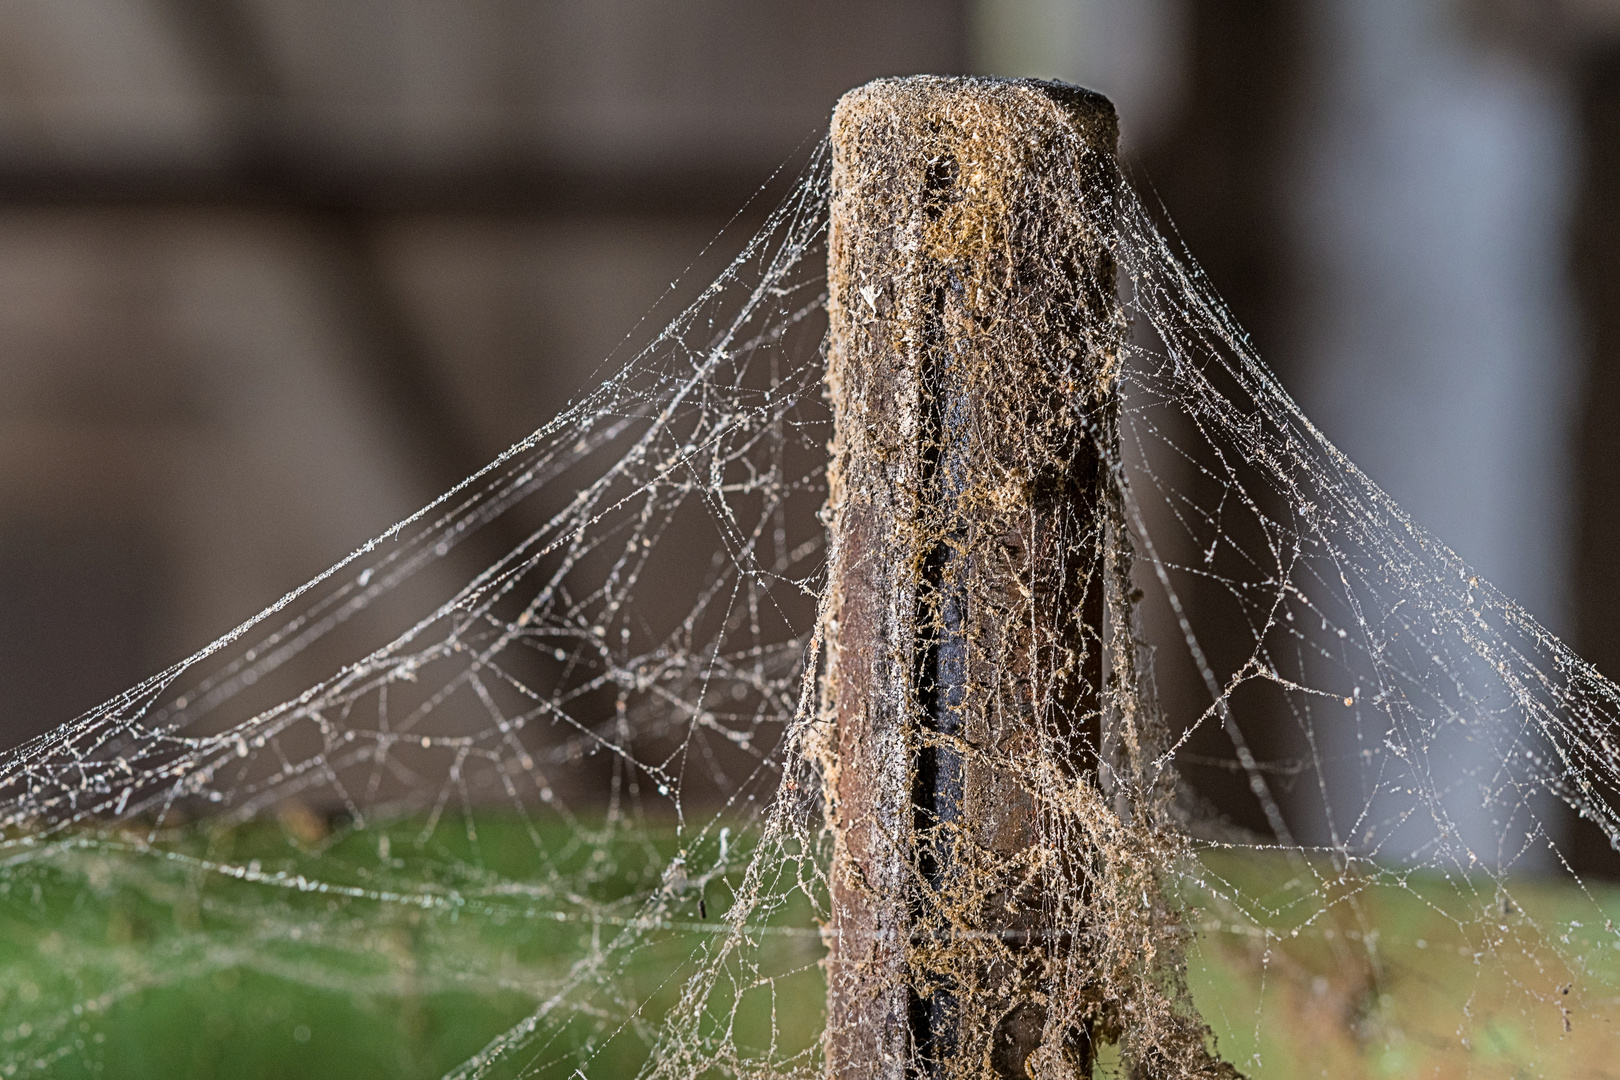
x,y
599,740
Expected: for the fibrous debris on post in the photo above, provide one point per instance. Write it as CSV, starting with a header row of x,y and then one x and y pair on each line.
x,y
998,837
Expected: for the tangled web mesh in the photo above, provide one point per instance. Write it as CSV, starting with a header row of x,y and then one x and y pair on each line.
x,y
582,778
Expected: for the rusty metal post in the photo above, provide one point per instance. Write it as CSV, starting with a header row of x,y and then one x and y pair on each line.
x,y
971,367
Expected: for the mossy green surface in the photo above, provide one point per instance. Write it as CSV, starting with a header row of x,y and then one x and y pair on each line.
x,y
270,950
1304,970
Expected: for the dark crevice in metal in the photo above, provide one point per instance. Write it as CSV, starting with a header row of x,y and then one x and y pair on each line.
x,y
941,651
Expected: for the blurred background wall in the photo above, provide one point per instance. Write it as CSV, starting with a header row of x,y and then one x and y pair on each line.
x,y
273,272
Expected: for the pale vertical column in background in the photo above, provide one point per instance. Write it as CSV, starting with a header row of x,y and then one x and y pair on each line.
x,y
1435,331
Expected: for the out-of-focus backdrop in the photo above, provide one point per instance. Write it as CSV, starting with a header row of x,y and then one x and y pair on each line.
x,y
274,272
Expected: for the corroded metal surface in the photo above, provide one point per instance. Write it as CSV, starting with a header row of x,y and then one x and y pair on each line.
x,y
971,364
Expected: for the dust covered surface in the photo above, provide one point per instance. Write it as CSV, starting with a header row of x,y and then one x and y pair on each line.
x,y
998,819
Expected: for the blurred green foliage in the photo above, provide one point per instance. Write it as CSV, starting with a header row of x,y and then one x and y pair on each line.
x,y
288,949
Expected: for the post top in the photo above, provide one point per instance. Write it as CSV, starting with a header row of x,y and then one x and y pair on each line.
x,y
983,103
